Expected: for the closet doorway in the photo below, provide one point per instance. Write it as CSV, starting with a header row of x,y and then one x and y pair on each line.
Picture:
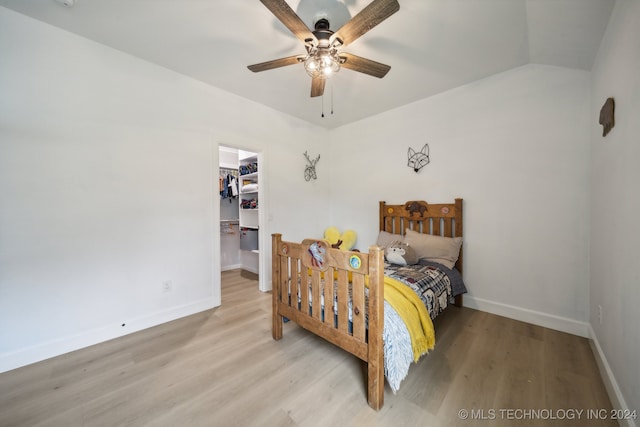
x,y
242,242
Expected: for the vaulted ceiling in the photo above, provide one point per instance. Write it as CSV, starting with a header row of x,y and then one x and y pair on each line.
x,y
431,45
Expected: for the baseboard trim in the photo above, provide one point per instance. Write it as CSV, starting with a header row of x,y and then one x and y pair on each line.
x,y
539,318
230,267
609,380
29,355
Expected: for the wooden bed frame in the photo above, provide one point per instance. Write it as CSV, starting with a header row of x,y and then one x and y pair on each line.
x,y
293,264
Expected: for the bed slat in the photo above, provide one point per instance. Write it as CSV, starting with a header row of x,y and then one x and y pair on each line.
x,y
295,277
304,292
435,226
343,303
328,297
448,229
316,307
284,284
359,326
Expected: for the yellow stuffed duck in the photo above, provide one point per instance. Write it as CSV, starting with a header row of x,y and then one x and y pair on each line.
x,y
344,241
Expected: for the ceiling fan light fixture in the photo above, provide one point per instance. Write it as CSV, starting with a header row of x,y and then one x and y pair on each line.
x,y
322,63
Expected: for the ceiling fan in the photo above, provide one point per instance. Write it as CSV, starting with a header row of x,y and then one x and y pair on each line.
x,y
324,56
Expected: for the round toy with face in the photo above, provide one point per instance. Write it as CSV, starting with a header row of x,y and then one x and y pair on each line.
x,y
400,253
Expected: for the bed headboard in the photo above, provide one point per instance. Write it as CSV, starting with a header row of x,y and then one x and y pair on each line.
x,y
444,219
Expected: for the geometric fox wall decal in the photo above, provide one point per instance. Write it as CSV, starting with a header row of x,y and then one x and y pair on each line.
x,y
418,159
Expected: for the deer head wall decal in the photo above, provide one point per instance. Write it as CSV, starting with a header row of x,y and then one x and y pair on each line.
x,y
310,169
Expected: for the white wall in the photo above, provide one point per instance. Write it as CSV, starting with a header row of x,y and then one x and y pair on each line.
x,y
515,147
615,203
106,189
107,171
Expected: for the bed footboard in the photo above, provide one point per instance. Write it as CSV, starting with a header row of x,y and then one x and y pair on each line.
x,y
324,290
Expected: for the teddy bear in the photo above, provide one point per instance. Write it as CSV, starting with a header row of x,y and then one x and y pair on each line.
x,y
400,253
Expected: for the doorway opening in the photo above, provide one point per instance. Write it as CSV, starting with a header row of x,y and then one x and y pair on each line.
x,y
242,243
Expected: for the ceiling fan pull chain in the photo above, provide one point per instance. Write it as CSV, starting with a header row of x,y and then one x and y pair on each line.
x,y
332,98
322,106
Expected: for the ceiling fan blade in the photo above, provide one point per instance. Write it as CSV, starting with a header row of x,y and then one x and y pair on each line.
x,y
364,65
289,18
317,87
276,63
375,12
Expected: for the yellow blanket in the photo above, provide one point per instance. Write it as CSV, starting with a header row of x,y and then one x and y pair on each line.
x,y
411,309
414,314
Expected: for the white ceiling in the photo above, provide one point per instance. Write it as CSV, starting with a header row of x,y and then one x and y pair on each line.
x,y
431,45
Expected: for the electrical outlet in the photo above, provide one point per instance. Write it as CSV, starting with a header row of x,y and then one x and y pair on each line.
x,y
599,314
167,286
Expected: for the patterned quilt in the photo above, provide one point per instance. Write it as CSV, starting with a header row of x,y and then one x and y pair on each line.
x,y
432,284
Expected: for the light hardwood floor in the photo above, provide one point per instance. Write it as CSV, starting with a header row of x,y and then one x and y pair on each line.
x,y
222,368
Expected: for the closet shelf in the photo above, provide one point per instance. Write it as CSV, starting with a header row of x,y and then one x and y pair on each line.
x,y
249,203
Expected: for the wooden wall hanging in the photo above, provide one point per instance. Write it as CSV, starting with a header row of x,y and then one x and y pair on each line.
x,y
607,119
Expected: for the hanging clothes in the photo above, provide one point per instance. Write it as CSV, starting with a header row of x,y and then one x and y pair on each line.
x,y
228,182
233,186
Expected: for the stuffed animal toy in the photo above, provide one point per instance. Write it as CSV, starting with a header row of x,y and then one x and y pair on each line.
x,y
400,253
345,241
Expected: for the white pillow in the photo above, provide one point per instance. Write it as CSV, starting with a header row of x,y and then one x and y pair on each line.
x,y
444,250
385,239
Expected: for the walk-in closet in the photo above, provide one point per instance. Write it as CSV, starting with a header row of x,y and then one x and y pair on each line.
x,y
239,210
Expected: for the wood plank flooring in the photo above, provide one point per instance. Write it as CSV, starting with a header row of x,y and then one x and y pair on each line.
x,y
222,368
